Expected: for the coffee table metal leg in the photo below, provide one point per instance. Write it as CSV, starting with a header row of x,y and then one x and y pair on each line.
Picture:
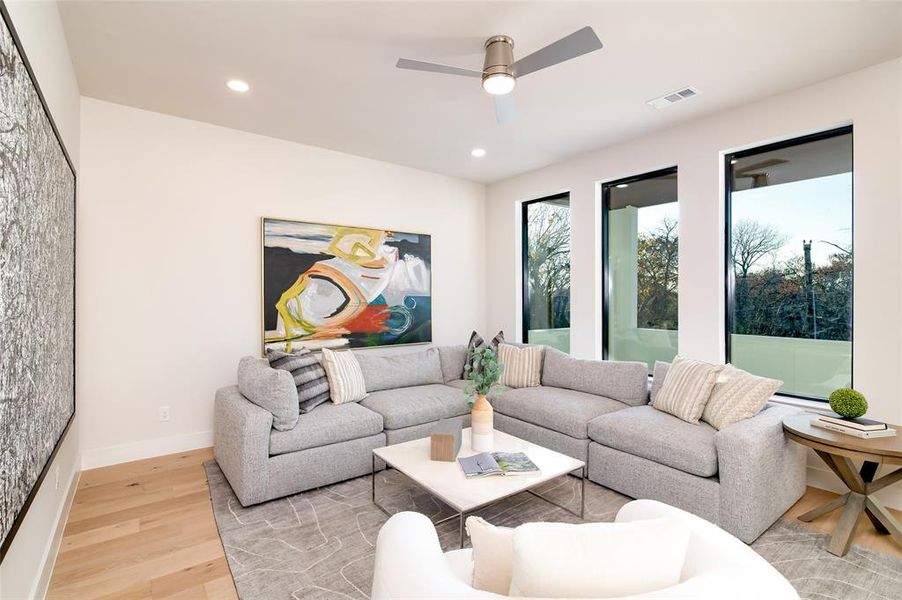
x,y
462,530
582,495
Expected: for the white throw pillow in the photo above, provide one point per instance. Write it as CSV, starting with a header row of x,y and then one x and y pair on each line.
x,y
686,388
522,366
738,395
493,553
598,560
345,377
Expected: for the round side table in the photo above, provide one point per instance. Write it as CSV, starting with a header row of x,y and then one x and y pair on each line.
x,y
838,450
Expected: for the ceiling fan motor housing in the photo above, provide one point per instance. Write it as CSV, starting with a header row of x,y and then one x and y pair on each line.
x,y
499,56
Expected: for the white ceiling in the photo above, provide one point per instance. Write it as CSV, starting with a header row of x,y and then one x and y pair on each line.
x,y
323,73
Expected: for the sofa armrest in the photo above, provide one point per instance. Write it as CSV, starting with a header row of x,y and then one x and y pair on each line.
x,y
410,563
762,473
241,432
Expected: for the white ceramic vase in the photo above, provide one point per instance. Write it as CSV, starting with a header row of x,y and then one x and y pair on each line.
x,y
482,425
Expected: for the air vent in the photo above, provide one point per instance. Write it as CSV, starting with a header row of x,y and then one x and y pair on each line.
x,y
674,97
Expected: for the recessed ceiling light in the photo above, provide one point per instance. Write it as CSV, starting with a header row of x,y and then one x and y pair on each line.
x,y
477,152
623,185
237,85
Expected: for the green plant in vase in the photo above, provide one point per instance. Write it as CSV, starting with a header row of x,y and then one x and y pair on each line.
x,y
483,372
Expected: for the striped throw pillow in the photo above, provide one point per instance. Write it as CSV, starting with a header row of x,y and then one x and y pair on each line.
x,y
345,377
522,366
737,396
308,373
686,388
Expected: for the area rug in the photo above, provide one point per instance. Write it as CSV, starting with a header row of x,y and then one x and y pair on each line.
x,y
320,544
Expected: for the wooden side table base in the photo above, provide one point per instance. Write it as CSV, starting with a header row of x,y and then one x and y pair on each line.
x,y
859,499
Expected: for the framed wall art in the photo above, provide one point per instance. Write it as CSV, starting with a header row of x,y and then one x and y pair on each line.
x,y
343,286
37,285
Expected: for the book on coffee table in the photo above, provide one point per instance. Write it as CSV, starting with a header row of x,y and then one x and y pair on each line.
x,y
497,463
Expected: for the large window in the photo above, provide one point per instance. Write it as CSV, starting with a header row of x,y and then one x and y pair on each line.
x,y
641,267
546,272
789,262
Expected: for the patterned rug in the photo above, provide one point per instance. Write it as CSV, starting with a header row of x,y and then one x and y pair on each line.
x,y
320,544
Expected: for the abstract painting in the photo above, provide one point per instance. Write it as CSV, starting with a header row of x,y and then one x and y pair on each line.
x,y
341,286
37,286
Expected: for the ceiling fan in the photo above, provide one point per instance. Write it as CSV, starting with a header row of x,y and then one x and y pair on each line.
x,y
500,72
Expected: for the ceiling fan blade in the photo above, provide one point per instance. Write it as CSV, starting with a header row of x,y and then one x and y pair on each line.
x,y
419,65
576,44
505,109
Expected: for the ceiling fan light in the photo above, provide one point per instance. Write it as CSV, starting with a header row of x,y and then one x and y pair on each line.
x,y
498,84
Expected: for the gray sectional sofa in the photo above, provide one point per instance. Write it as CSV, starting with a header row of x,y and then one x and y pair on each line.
x,y
741,478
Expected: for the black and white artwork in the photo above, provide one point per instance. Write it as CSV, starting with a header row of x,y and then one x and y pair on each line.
x,y
37,286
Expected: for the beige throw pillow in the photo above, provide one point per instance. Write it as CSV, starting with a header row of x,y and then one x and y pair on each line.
x,y
522,366
493,555
687,388
598,560
345,377
737,396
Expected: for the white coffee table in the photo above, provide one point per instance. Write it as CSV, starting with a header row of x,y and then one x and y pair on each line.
x,y
446,481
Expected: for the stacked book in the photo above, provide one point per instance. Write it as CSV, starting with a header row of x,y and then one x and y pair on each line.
x,y
860,427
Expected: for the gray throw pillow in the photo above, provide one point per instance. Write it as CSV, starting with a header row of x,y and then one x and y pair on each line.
x,y
308,374
270,389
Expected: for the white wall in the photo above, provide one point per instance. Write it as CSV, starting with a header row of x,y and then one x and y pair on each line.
x,y
169,246
870,99
25,570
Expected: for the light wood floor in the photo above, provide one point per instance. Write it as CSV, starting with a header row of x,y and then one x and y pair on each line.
x,y
145,530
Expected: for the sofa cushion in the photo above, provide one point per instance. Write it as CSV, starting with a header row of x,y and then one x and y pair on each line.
x,y
657,381
324,425
655,435
460,384
453,359
619,380
270,389
405,407
564,411
400,369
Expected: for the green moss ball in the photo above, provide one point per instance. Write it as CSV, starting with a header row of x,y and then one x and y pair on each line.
x,y
848,403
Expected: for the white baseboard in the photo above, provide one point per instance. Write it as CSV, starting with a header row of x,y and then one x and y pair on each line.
x,y
826,480
113,455
53,544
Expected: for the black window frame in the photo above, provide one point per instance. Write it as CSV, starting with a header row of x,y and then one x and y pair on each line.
x,y
524,258
729,275
605,271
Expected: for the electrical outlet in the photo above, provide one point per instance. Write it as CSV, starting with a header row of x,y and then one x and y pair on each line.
x,y
164,413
